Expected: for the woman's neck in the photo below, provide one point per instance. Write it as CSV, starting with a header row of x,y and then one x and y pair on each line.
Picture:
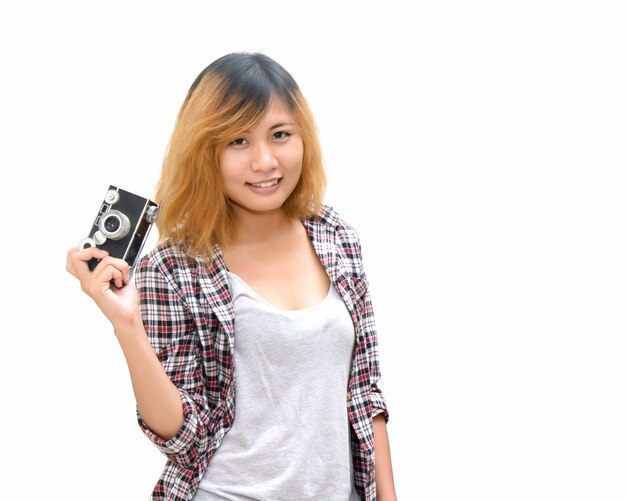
x,y
262,227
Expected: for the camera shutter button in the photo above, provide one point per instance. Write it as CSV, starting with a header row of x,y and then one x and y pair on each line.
x,y
111,196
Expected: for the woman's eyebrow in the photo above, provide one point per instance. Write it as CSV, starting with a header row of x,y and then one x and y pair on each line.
x,y
283,124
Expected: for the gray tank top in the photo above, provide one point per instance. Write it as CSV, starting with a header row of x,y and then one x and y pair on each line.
x,y
290,439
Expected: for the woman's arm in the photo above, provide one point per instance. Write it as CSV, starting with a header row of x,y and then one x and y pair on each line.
x,y
385,490
157,398
157,335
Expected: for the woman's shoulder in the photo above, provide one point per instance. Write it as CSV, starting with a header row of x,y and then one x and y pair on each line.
x,y
328,224
167,253
168,260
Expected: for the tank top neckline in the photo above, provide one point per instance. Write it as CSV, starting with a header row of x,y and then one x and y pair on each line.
x,y
261,299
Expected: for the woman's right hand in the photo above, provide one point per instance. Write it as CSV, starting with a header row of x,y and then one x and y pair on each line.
x,y
108,285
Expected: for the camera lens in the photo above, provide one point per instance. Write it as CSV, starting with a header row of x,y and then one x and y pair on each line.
x,y
112,224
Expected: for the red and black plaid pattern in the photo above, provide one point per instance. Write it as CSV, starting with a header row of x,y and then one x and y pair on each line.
x,y
188,314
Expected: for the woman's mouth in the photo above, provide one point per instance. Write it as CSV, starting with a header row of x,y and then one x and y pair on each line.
x,y
266,186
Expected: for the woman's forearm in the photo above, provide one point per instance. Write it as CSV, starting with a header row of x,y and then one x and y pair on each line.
x,y
158,399
385,489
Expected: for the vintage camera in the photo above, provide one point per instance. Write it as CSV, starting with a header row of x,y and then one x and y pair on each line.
x,y
121,226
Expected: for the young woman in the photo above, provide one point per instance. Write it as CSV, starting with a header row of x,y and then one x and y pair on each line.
x,y
250,336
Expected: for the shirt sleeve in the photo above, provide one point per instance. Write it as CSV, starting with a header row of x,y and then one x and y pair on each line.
x,y
171,329
369,328
369,325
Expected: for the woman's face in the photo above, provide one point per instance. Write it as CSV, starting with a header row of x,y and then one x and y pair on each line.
x,y
261,168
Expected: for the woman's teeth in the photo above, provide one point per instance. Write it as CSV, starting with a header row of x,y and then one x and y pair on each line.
x,y
265,185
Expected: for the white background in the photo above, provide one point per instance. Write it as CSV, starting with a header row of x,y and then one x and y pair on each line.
x,y
477,147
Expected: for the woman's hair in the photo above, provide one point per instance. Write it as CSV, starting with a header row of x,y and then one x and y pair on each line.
x,y
228,97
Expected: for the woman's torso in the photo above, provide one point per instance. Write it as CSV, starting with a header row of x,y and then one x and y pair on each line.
x,y
290,438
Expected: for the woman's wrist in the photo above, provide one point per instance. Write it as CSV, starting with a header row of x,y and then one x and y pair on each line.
x,y
131,330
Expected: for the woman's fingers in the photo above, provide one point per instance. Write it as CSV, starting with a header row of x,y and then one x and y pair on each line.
x,y
106,285
113,270
77,260
104,275
108,270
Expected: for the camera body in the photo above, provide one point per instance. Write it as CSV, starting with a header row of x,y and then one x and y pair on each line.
x,y
121,226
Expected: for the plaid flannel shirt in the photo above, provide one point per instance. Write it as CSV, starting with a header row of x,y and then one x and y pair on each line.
x,y
188,315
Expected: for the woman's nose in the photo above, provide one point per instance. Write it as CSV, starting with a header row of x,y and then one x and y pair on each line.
x,y
263,158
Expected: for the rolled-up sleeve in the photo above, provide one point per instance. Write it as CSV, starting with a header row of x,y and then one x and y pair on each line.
x,y
378,400
171,329
368,324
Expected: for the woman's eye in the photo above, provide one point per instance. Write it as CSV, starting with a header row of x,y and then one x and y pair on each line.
x,y
281,134
238,142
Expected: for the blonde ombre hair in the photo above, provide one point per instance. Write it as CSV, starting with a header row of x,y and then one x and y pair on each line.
x,y
229,97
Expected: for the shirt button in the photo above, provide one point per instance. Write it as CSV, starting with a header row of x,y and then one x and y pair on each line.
x,y
350,395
